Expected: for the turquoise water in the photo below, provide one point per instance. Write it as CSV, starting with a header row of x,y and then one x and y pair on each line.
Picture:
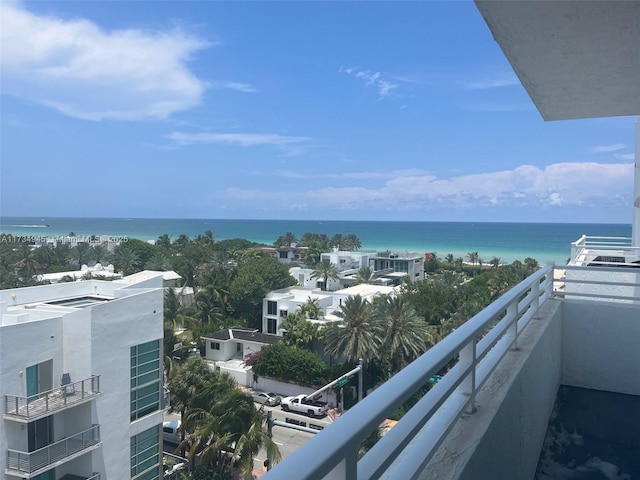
x,y
508,241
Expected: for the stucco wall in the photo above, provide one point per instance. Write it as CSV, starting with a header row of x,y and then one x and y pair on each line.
x,y
600,346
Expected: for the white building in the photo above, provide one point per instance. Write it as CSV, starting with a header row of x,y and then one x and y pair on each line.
x,y
279,303
81,380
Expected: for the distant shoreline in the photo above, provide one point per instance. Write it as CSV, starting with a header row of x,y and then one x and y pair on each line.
x,y
507,241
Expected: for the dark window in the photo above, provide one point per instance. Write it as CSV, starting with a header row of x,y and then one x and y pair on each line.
x,y
272,308
283,313
284,254
271,325
215,346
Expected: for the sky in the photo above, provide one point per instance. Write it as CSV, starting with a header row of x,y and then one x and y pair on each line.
x,y
322,110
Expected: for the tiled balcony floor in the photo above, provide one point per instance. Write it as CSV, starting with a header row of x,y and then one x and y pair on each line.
x,y
592,435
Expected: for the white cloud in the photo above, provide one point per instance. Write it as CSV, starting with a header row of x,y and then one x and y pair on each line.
x,y
505,80
86,72
241,87
608,148
240,139
372,79
624,156
555,186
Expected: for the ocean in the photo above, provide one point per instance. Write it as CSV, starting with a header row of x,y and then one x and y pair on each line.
x,y
508,241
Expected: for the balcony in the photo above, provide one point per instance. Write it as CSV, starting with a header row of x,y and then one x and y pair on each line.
x,y
604,251
94,476
487,417
27,409
30,464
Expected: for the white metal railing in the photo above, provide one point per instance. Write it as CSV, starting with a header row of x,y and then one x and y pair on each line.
x,y
587,248
478,345
604,283
50,401
30,462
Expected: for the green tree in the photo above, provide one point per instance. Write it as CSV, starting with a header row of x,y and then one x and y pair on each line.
x,y
358,336
300,331
251,282
186,383
352,242
254,439
126,260
364,275
291,364
311,308
495,262
405,334
285,240
325,270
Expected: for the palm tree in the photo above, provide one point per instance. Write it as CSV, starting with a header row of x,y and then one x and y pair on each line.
x,y
125,259
338,241
158,261
352,242
311,308
364,275
325,270
495,262
358,337
82,253
255,438
27,266
405,334
450,278
99,253
301,331
186,383
449,259
285,240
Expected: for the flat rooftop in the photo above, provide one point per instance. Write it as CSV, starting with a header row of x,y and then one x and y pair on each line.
x,y
592,435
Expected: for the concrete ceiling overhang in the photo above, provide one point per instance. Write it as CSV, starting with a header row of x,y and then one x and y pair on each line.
x,y
575,58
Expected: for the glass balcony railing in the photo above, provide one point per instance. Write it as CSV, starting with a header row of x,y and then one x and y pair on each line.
x,y
62,450
46,403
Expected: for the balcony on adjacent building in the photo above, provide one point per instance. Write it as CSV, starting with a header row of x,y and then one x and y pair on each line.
x,y
27,409
488,415
94,476
31,464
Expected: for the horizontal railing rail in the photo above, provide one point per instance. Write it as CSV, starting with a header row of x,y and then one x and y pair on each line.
x,y
476,349
587,248
48,402
30,462
598,282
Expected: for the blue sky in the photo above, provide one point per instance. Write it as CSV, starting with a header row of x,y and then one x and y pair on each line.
x,y
276,110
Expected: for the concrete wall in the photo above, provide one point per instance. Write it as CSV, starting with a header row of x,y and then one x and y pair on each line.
x,y
503,438
600,346
116,327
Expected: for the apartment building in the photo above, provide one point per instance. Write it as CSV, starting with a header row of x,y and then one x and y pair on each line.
x,y
81,380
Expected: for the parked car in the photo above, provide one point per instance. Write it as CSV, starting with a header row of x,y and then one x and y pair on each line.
x,y
265,398
171,432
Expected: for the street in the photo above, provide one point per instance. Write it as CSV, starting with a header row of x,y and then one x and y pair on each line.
x,y
287,439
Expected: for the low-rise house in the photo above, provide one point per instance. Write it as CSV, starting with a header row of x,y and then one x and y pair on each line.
x,y
279,303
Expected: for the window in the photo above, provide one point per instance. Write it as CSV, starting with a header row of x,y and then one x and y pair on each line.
x,y
145,454
215,346
284,254
272,307
271,325
145,379
283,313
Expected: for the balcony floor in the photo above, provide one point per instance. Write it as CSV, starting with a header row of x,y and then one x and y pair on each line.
x,y
592,435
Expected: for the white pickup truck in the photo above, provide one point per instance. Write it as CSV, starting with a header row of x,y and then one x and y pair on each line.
x,y
300,404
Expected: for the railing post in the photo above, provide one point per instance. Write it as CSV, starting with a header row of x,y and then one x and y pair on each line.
x,y
512,331
468,385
